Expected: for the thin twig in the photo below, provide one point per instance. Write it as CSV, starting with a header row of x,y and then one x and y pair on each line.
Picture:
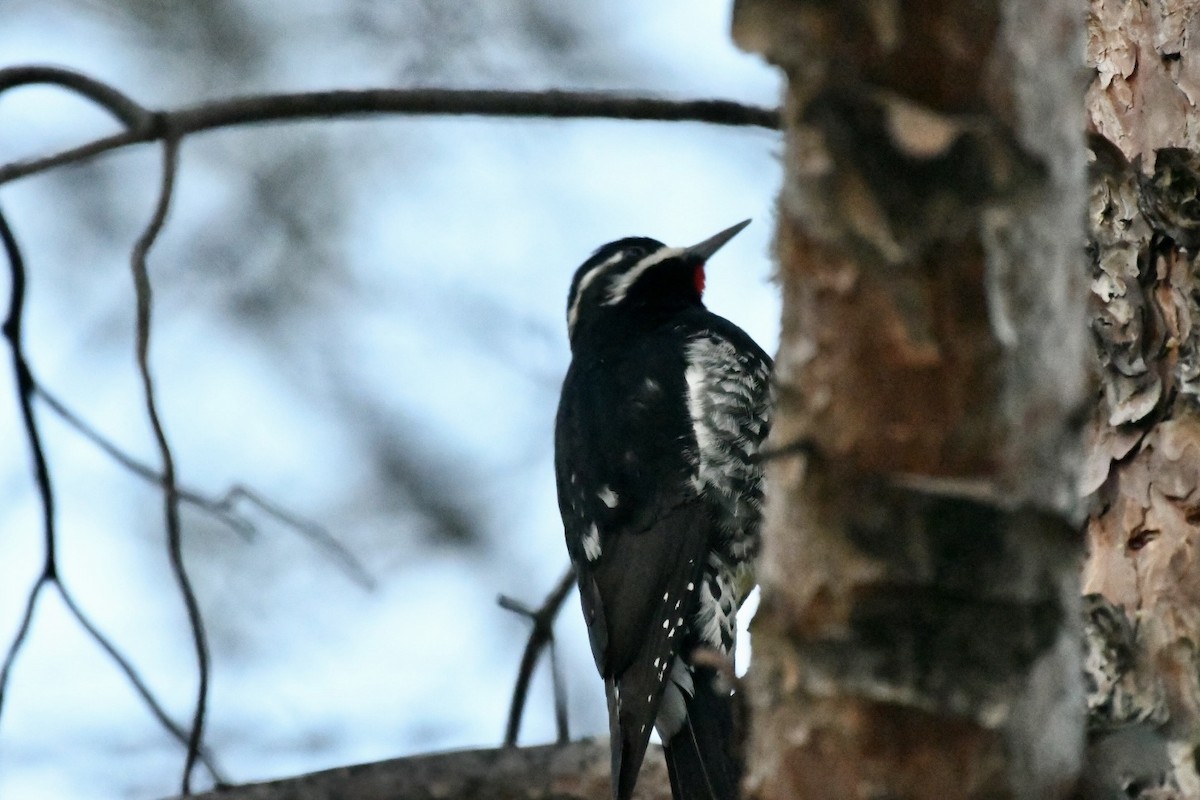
x,y
541,635
25,167
222,507
317,534
144,471
18,641
49,575
147,126
141,282
24,381
138,120
560,695
139,685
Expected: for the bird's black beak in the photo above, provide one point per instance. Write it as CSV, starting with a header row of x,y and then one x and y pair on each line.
x,y
703,251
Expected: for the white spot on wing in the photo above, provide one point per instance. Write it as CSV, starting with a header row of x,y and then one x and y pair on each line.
x,y
608,496
591,543
672,709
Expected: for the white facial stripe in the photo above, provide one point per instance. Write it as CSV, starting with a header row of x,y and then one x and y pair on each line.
x,y
622,285
584,283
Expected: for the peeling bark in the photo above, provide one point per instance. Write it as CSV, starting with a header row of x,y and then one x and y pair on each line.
x,y
1146,86
919,632
1143,462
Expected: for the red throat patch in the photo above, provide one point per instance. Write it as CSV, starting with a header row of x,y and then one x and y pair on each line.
x,y
698,277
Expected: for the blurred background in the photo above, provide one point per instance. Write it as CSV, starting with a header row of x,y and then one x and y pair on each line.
x,y
363,321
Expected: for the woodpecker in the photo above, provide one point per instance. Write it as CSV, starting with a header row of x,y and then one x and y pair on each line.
x,y
663,411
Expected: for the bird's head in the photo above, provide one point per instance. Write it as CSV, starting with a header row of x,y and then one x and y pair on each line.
x,y
639,276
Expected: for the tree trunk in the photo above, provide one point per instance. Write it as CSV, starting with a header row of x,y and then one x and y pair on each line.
x,y
919,634
1143,534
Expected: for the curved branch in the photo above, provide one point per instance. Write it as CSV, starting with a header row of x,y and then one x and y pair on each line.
x,y
18,640
147,126
27,387
139,684
141,281
130,113
219,508
317,534
24,381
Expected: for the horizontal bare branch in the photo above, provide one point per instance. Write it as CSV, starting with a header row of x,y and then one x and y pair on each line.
x,y
147,125
574,771
552,104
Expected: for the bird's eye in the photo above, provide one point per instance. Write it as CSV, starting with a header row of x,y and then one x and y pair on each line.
x,y
636,252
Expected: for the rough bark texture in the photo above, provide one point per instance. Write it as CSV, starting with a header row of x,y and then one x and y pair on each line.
x,y
919,633
1143,465
575,771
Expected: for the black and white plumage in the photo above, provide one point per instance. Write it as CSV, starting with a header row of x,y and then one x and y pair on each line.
x,y
663,411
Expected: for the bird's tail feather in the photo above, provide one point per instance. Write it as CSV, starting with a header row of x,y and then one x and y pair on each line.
x,y
701,762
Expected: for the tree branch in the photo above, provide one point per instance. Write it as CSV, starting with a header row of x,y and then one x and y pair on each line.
x,y
129,113
141,281
27,386
574,771
541,635
24,381
139,684
146,126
